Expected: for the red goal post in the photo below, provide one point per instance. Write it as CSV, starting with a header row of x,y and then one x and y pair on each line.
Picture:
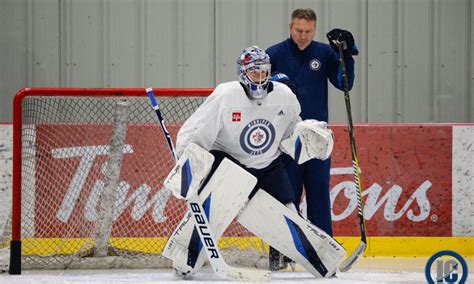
x,y
62,148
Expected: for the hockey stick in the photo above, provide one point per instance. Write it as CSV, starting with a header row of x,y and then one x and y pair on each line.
x,y
218,264
351,259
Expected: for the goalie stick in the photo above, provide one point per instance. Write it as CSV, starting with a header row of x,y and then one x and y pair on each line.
x,y
218,264
352,258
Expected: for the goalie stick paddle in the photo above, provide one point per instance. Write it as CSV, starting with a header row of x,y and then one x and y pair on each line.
x,y
352,258
218,264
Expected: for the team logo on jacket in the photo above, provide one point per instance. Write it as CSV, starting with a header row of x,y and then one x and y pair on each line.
x,y
257,137
314,64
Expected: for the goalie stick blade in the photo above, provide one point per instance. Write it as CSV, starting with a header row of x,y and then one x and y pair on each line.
x,y
247,274
346,265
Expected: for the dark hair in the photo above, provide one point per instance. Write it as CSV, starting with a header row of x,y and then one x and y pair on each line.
x,y
303,13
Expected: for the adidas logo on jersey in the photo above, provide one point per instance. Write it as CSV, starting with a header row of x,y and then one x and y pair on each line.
x,y
281,112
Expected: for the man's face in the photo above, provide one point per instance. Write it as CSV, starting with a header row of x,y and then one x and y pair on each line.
x,y
302,32
258,76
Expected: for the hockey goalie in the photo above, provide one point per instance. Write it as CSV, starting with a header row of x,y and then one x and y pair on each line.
x,y
229,157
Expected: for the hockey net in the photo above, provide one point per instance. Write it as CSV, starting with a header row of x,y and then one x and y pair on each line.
x,y
87,199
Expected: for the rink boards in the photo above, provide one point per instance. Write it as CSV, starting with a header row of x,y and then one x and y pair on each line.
x,y
417,181
377,246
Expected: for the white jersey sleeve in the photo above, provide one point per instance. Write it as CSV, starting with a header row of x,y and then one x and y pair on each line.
x,y
202,126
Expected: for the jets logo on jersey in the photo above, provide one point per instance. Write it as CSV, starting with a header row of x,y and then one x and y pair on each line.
x,y
314,64
257,137
236,116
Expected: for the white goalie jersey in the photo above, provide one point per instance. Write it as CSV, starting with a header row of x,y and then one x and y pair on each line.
x,y
248,130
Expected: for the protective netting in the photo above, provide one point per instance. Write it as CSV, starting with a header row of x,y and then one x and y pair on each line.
x,y
65,144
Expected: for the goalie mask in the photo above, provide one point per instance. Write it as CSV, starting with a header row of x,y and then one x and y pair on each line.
x,y
253,68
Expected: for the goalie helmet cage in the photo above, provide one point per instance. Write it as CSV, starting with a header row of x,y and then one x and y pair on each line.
x,y
61,143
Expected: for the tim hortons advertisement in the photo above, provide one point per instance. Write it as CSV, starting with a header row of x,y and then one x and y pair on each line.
x,y
406,180
405,176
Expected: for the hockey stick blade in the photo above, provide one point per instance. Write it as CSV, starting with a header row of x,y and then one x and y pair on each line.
x,y
218,264
346,265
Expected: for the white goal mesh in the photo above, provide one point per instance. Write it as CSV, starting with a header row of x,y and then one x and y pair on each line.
x,y
65,140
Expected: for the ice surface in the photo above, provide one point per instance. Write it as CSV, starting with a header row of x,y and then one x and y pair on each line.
x,y
367,270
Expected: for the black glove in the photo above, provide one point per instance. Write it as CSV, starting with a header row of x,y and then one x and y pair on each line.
x,y
342,36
